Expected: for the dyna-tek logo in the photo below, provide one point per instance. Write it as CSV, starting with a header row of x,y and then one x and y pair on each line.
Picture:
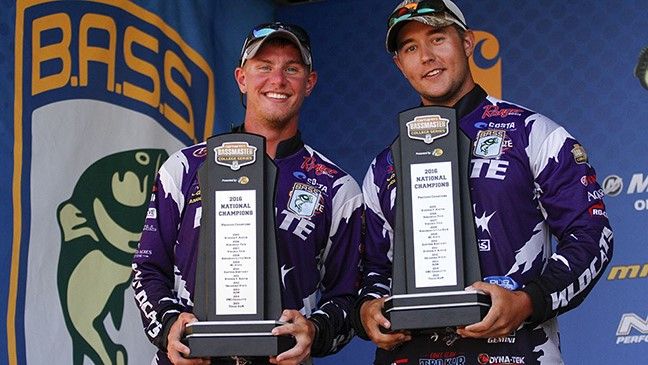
x,y
632,329
427,128
235,154
614,185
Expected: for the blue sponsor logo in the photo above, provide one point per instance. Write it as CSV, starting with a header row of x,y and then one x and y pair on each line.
x,y
300,175
481,125
503,281
390,158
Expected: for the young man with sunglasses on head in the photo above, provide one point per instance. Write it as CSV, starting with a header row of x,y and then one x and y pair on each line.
x,y
317,244
529,179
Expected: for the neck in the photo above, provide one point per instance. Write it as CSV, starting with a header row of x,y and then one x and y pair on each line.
x,y
451,100
272,135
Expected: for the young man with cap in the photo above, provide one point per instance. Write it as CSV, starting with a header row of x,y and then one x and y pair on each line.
x,y
529,180
318,244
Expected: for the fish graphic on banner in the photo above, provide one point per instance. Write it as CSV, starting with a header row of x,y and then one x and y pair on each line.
x,y
100,227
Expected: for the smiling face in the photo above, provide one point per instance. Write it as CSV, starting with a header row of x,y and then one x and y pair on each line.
x,y
275,82
435,62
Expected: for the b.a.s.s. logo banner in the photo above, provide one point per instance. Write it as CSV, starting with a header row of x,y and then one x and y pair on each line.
x,y
105,90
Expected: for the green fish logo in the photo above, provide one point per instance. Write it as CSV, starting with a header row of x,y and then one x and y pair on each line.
x,y
100,228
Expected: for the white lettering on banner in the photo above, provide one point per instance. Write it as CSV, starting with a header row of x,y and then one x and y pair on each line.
x,y
626,340
562,298
641,204
496,169
638,184
627,323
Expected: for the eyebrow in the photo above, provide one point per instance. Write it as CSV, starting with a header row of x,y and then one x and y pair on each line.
x,y
430,32
291,62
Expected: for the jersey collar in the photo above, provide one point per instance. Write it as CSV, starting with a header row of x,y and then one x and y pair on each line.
x,y
470,101
285,148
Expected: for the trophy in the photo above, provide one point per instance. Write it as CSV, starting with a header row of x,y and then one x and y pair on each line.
x,y
435,249
237,297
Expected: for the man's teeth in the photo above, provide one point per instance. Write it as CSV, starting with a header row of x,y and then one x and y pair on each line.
x,y
433,73
277,96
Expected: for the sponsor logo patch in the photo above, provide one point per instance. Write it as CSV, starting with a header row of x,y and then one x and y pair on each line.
x,y
495,111
505,282
200,152
588,179
489,143
300,175
484,244
597,209
151,213
580,156
303,200
310,163
484,358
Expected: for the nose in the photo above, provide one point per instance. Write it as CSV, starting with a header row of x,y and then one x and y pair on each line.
x,y
277,76
427,53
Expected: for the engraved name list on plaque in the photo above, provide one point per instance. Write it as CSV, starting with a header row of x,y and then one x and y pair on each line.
x,y
435,251
237,297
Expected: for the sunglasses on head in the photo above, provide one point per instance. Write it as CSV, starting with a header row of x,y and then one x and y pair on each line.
x,y
263,30
421,8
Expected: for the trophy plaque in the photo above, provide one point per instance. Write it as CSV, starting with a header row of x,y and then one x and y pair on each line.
x,y
435,249
237,296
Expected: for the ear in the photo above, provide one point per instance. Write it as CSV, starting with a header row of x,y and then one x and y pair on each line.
x,y
469,43
398,63
310,82
239,76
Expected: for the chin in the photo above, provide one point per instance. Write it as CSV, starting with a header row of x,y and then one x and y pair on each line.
x,y
277,121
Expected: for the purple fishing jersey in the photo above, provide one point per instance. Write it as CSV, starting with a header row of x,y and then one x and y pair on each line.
x,y
529,180
317,241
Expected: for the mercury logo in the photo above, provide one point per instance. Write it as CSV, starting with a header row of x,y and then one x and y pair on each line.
x,y
613,185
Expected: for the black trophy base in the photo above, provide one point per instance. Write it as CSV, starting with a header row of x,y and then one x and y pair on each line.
x,y
423,311
235,338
